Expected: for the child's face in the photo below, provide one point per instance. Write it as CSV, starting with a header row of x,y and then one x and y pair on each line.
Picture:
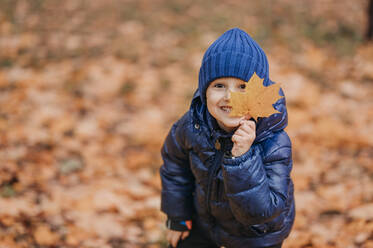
x,y
218,97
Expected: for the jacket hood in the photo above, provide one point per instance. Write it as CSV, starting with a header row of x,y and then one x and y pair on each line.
x,y
264,127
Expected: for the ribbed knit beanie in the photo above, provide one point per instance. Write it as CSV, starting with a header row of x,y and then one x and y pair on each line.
x,y
233,54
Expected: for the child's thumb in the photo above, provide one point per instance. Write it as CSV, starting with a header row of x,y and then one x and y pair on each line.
x,y
245,118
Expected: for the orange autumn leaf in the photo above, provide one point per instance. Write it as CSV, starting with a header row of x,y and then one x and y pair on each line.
x,y
257,99
44,236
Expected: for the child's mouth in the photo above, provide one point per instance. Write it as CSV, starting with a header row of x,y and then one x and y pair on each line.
x,y
226,109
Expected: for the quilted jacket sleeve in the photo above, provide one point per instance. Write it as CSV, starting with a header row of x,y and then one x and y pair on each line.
x,y
177,178
257,183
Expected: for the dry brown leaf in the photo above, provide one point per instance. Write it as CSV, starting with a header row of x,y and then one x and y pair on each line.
x,y
363,212
44,236
257,99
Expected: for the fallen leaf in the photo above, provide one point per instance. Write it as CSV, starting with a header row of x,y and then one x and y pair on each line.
x,y
44,236
70,165
257,99
364,212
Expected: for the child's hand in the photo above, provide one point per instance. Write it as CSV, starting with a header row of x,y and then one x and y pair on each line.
x,y
243,137
173,237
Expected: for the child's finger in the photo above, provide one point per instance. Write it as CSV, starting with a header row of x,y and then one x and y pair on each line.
x,y
237,139
240,132
245,117
241,119
184,235
169,235
235,151
247,129
248,123
252,122
175,238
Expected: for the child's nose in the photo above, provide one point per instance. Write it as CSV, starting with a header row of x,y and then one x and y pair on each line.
x,y
227,95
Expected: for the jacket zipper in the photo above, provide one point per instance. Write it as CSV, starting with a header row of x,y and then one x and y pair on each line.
x,y
212,174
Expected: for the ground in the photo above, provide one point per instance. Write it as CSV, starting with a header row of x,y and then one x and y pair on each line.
x,y
89,90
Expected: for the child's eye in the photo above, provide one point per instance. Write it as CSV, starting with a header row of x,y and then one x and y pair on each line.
x,y
242,86
219,85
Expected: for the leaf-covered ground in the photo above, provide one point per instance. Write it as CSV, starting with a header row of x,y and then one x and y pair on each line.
x,y
89,89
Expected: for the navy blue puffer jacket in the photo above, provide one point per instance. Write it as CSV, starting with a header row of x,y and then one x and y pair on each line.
x,y
244,201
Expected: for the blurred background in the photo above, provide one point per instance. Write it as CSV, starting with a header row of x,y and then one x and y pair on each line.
x,y
89,90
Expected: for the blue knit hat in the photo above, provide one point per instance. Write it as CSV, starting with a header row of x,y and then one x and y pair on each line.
x,y
233,54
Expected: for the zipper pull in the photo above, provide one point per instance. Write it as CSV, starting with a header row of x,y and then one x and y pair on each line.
x,y
217,144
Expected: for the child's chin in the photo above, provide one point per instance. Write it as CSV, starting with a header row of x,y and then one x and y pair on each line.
x,y
232,124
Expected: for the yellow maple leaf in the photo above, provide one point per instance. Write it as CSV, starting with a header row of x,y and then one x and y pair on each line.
x,y
257,99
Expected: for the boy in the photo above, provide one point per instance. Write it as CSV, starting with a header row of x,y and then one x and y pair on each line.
x,y
226,180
